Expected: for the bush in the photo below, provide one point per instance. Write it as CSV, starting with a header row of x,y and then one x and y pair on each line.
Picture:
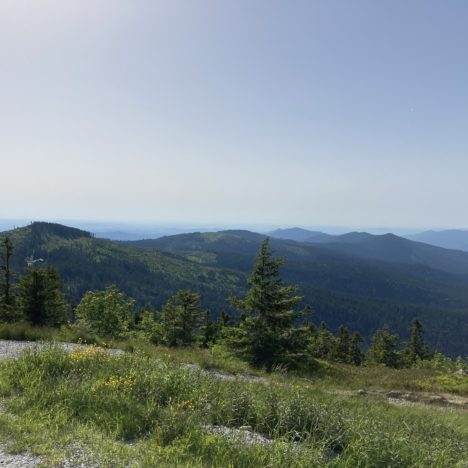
x,y
107,313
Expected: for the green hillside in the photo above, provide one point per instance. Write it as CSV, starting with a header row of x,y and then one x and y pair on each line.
x,y
363,294
342,288
87,263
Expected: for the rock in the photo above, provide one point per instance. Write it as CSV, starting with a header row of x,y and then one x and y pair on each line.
x,y
409,397
241,435
437,400
461,372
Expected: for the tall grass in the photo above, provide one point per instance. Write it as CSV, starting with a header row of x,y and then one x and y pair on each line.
x,y
22,331
147,411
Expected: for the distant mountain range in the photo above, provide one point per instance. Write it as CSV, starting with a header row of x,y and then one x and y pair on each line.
x,y
450,239
358,279
455,239
386,247
317,237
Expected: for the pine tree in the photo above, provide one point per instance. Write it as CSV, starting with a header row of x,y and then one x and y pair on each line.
x,y
416,348
356,356
267,335
340,351
323,342
224,320
383,349
208,331
180,318
7,297
41,299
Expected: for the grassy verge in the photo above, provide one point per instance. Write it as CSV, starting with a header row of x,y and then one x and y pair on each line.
x,y
139,409
325,375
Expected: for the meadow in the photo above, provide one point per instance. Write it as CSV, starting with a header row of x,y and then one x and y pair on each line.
x,y
145,407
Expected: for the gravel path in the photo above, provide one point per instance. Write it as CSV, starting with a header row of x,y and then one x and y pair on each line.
x,y
223,375
13,349
18,460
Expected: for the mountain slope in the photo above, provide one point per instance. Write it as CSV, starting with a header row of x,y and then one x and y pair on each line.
x,y
301,235
86,263
450,239
395,249
342,288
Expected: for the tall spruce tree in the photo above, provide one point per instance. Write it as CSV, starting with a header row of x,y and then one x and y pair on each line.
x,y
356,356
7,297
323,342
267,335
341,348
383,349
180,318
208,331
41,299
416,348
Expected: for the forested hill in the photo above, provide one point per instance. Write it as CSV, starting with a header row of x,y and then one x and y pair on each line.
x,y
341,288
86,263
385,247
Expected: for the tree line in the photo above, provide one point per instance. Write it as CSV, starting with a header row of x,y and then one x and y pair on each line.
x,y
268,331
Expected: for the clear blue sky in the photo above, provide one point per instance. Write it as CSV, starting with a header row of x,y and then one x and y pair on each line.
x,y
242,111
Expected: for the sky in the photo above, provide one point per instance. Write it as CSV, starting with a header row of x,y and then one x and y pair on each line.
x,y
310,113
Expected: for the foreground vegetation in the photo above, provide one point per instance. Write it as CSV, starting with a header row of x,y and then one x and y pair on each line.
x,y
136,408
317,398
270,331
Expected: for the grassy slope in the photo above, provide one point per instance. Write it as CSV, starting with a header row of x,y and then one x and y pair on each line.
x,y
144,408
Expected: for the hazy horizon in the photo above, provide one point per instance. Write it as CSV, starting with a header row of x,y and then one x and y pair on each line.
x,y
161,228
266,113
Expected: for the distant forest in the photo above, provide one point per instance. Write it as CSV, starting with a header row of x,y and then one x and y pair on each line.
x,y
361,293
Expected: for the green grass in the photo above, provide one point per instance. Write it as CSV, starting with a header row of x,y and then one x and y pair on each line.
x,y
382,378
22,331
144,408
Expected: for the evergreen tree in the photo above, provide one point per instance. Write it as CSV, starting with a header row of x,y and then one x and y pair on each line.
x,y
41,299
356,356
208,331
307,323
224,320
416,348
267,335
323,342
180,318
383,349
342,345
149,327
7,297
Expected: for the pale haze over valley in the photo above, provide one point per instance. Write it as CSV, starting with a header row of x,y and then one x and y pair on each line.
x,y
244,113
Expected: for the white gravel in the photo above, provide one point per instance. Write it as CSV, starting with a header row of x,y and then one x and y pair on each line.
x,y
223,375
244,435
13,349
18,460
